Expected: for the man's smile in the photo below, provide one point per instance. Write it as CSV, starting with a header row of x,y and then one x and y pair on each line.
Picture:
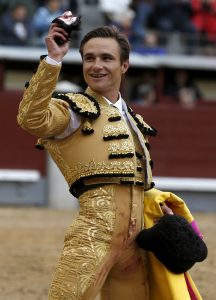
x,y
97,75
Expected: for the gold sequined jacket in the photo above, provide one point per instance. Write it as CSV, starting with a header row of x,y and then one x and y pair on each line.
x,y
101,150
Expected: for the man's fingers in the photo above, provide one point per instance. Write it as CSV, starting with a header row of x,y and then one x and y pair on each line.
x,y
54,28
57,35
165,209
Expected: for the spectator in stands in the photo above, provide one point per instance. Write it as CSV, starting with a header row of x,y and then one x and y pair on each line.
x,y
175,16
16,26
204,19
90,10
43,18
30,5
130,18
118,13
71,5
112,10
123,22
143,37
182,88
144,91
143,10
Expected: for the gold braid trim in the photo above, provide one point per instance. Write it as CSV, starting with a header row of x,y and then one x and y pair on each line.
x,y
148,169
39,113
41,86
140,119
87,243
115,131
121,149
115,168
82,104
141,124
112,113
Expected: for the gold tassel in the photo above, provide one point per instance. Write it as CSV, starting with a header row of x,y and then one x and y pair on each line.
x,y
87,128
39,145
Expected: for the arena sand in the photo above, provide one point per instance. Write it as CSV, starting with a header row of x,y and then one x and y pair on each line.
x,y
31,240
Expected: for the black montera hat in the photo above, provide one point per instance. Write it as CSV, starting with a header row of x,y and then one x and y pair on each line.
x,y
174,242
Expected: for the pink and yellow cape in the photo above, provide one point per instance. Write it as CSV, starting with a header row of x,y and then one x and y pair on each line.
x,y
163,284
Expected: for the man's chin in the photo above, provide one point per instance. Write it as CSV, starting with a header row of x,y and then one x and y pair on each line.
x,y
97,89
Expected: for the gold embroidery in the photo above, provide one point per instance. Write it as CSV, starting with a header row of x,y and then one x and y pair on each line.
x,y
87,242
139,165
87,128
111,112
115,131
102,168
83,103
96,96
81,170
121,148
40,144
127,180
46,75
58,158
140,119
147,168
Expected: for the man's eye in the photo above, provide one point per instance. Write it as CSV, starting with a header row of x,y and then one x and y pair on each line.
x,y
88,58
107,58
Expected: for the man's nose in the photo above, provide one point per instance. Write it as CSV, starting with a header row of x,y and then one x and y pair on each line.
x,y
97,63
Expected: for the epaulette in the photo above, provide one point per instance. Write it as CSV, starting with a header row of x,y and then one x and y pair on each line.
x,y
141,124
82,104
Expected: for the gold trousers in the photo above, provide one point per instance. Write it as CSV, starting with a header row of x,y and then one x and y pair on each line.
x,y
99,253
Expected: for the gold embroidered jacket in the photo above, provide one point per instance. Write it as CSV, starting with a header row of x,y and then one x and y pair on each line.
x,y
101,150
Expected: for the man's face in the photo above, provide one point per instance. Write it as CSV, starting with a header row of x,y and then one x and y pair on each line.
x,y
102,68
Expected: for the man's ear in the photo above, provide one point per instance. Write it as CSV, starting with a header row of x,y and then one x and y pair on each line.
x,y
125,66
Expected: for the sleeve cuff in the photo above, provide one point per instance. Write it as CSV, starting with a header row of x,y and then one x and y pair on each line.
x,y
51,61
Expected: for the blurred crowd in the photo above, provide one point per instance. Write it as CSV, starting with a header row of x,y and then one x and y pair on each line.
x,y
152,26
25,23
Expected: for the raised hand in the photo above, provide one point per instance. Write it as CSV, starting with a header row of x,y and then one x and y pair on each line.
x,y
57,51
58,38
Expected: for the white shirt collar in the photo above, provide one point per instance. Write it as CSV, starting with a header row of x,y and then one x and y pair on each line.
x,y
117,104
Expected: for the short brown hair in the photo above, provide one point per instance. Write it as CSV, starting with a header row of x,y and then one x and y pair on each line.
x,y
108,32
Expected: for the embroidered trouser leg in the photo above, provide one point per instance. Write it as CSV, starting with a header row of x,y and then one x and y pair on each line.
x,y
100,252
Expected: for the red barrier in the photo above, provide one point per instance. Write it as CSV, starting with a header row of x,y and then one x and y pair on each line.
x,y
17,146
185,145
186,141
